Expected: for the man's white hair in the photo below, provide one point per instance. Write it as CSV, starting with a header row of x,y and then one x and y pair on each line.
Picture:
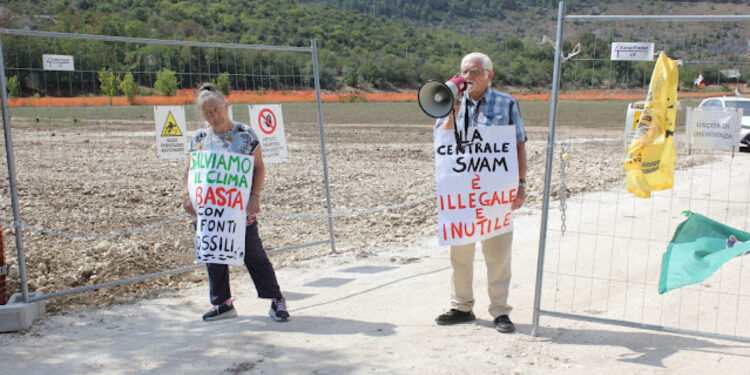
x,y
486,61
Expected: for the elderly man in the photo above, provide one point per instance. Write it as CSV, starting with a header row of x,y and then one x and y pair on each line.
x,y
480,105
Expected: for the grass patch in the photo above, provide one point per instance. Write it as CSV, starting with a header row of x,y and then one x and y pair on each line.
x,y
597,114
333,113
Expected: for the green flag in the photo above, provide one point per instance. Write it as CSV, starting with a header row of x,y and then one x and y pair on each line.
x,y
699,247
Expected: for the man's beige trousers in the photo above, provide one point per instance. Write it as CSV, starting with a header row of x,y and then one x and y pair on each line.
x,y
497,251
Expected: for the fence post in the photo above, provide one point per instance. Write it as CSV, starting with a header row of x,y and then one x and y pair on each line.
x,y
323,144
3,271
12,180
548,169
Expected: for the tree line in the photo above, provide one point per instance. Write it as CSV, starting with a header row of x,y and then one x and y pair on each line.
x,y
358,50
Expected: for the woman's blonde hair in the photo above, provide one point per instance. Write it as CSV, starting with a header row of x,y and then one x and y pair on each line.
x,y
208,93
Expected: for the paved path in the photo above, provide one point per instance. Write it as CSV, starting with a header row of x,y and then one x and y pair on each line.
x,y
350,315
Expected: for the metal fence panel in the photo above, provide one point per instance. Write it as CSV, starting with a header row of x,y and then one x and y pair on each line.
x,y
99,152
600,250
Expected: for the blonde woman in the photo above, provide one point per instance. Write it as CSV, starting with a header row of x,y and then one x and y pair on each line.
x,y
222,134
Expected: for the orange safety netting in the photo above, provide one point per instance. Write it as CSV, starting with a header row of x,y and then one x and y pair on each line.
x,y
187,96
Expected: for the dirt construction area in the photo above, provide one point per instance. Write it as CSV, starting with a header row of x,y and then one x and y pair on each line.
x,y
82,186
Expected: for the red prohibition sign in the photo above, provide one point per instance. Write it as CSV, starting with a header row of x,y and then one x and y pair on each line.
x,y
267,121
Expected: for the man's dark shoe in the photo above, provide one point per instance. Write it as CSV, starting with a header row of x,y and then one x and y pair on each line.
x,y
455,316
220,312
503,324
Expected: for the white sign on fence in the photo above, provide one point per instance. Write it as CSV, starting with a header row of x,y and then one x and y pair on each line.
x,y
58,62
268,122
219,186
713,128
170,125
730,73
632,51
635,110
476,186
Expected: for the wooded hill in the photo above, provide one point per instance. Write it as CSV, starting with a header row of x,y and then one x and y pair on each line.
x,y
386,45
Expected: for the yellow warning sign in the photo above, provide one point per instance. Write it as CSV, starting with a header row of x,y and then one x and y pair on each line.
x,y
171,129
636,118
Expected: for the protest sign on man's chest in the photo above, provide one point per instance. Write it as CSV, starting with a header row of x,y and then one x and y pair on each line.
x,y
219,186
475,185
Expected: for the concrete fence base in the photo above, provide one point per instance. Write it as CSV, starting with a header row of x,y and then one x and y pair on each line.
x,y
17,316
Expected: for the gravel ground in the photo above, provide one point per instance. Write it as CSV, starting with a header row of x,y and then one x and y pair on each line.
x,y
106,179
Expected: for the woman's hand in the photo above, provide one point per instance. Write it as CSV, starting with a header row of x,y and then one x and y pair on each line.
x,y
253,207
188,204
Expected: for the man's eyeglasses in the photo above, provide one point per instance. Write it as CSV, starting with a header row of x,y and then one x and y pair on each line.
x,y
471,72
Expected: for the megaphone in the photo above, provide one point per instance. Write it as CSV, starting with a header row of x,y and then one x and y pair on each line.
x,y
436,97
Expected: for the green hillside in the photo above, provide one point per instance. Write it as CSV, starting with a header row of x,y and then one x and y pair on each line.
x,y
364,45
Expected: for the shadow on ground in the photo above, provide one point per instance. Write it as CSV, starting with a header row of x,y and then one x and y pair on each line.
x,y
646,348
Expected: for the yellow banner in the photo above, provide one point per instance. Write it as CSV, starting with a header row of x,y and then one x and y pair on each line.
x,y
650,165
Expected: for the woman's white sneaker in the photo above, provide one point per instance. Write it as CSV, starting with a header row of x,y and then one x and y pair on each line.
x,y
278,310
